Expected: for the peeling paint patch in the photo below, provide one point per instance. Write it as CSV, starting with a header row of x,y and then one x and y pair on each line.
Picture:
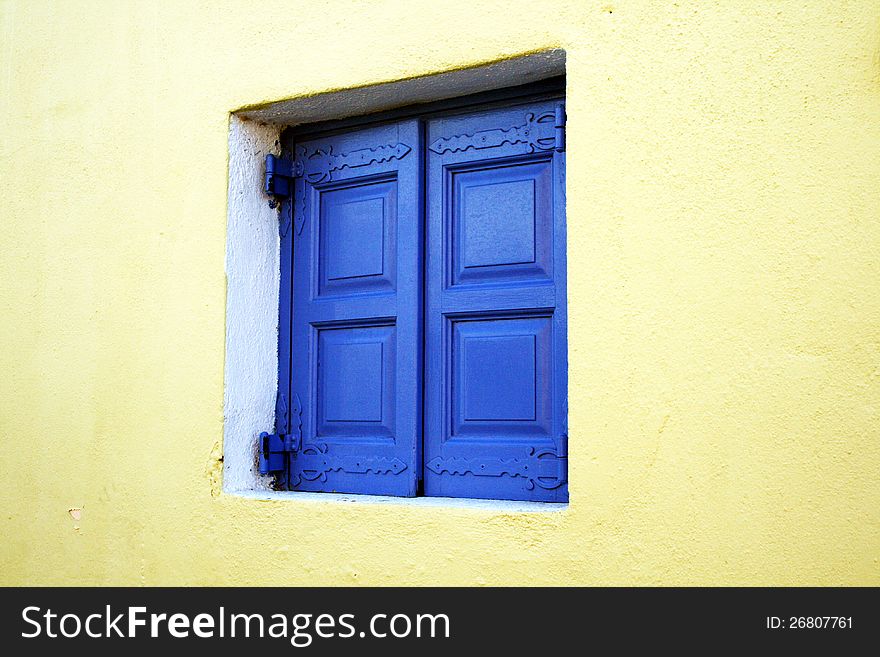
x,y
214,469
76,513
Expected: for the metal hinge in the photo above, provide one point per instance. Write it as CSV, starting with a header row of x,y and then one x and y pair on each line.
x,y
279,176
559,126
276,450
541,467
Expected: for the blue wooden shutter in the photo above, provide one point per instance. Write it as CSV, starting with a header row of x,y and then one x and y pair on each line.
x,y
495,405
357,326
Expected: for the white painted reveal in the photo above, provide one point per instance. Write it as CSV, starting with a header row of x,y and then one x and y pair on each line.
x,y
252,273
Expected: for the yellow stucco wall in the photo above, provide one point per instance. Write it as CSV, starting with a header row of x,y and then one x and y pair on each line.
x,y
724,281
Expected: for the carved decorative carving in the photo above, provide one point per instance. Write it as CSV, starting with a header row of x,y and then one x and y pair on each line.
x,y
314,462
285,220
300,217
538,133
297,423
542,468
319,165
281,413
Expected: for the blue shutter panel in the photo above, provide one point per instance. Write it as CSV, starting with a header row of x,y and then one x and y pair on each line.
x,y
495,398
356,375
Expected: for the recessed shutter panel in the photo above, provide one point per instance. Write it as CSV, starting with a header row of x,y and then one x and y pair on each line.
x,y
357,336
495,400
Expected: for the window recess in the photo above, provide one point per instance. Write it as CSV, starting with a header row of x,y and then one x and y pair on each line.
x,y
422,322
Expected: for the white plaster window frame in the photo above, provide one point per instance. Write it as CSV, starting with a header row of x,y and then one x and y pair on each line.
x,y
253,258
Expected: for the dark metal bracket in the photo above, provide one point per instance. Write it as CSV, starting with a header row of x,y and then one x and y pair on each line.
x,y
279,178
275,449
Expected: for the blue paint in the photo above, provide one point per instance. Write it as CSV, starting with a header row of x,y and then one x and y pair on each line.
x,y
358,243
357,330
283,398
426,274
495,397
501,227
278,176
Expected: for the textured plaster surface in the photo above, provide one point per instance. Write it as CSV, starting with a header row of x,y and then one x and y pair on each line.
x,y
724,318
252,272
